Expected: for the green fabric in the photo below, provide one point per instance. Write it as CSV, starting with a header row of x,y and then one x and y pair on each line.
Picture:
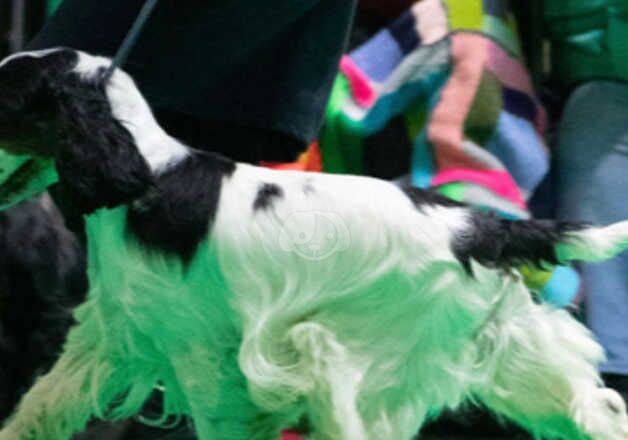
x,y
453,191
22,177
340,139
53,5
503,33
485,110
589,39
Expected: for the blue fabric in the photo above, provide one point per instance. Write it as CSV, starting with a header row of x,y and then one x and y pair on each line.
x,y
562,287
422,163
379,57
518,146
592,178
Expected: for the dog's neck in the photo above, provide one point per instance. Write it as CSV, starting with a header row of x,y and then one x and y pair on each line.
x,y
159,149
128,106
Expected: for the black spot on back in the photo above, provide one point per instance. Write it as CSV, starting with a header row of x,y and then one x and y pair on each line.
x,y
176,215
266,195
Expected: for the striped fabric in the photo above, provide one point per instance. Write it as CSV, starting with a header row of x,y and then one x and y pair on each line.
x,y
446,82
441,98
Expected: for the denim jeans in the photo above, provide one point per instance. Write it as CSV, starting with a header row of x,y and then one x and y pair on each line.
x,y
592,177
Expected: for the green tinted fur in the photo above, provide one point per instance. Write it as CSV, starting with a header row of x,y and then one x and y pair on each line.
x,y
145,323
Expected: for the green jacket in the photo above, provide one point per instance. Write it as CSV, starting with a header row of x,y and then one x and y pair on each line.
x,y
589,39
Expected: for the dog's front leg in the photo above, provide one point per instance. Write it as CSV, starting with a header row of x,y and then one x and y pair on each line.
x,y
218,399
62,401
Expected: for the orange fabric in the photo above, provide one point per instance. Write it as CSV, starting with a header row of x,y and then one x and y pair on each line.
x,y
310,160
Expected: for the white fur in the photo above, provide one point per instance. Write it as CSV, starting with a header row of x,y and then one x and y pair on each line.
x,y
130,108
594,244
32,54
343,299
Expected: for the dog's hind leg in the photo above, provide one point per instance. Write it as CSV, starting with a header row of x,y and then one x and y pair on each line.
x,y
542,368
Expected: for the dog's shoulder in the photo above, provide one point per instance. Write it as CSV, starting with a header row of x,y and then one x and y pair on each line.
x,y
175,215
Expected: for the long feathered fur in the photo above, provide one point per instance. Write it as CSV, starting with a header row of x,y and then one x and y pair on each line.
x,y
254,297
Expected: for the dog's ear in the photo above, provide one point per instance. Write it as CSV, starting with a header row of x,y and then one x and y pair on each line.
x,y
21,78
29,101
104,169
97,160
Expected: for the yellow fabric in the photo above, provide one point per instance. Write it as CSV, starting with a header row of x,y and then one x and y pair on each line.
x,y
465,14
535,278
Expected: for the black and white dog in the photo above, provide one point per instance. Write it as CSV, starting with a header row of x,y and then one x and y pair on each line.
x,y
253,297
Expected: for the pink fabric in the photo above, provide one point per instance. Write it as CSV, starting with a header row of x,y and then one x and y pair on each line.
x,y
287,435
446,127
541,120
361,88
509,70
512,73
500,182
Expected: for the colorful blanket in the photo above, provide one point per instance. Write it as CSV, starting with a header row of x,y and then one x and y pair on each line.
x,y
446,83
442,99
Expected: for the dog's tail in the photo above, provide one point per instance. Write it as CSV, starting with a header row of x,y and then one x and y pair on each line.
x,y
593,243
493,241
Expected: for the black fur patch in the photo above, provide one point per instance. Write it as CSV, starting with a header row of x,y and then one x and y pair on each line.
x,y
100,164
42,277
29,101
177,213
497,242
429,197
266,195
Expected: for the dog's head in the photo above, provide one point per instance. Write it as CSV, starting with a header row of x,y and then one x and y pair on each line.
x,y
59,104
29,102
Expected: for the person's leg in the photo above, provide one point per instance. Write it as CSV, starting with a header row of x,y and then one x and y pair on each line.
x,y
592,170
